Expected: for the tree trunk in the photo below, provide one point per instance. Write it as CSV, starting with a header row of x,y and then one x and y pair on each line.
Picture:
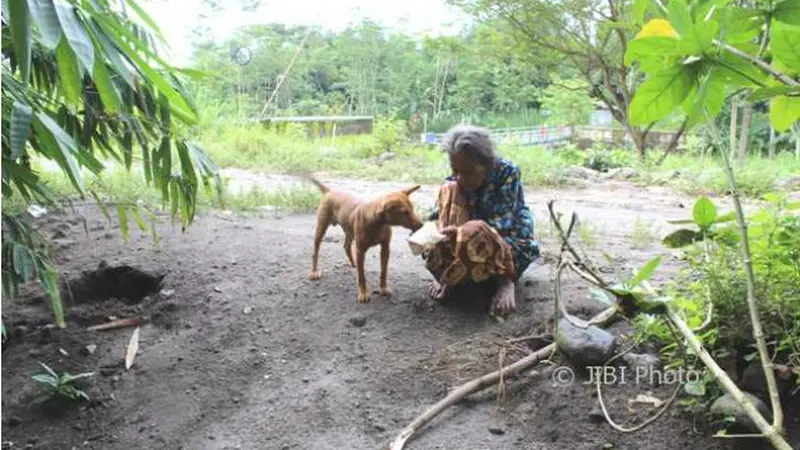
x,y
673,143
744,137
638,138
771,142
734,126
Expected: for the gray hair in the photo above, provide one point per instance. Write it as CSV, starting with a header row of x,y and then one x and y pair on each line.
x,y
472,142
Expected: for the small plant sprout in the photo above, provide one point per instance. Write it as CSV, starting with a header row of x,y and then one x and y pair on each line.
x,y
64,385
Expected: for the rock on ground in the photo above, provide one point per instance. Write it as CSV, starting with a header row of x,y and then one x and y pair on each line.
x,y
585,347
727,407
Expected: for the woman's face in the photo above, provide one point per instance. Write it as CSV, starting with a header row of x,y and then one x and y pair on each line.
x,y
469,174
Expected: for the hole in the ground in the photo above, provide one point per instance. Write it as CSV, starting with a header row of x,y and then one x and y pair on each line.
x,y
125,283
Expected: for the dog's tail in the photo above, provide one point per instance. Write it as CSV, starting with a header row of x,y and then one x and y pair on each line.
x,y
322,187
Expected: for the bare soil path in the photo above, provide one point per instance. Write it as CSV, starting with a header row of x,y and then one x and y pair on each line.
x,y
243,352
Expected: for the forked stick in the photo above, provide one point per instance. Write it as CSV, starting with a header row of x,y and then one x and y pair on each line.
x,y
485,381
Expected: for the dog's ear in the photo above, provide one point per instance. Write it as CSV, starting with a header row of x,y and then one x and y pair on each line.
x,y
379,214
411,190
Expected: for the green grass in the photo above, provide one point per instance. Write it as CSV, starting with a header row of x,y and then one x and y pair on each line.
x,y
293,200
589,234
254,147
119,186
701,176
643,233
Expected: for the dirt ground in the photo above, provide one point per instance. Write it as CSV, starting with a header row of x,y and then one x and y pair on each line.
x,y
241,351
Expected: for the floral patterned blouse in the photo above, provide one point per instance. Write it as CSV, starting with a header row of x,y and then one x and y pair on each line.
x,y
500,202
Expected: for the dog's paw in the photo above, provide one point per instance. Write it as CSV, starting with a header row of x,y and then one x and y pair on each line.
x,y
386,291
363,297
314,275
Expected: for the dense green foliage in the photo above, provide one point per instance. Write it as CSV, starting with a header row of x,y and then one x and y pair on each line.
x,y
714,280
82,84
481,76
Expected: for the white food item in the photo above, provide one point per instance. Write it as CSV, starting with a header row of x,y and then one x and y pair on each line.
x,y
425,238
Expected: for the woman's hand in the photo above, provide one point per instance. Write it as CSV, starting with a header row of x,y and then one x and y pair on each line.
x,y
449,231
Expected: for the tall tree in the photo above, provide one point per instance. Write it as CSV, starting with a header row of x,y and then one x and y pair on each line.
x,y
591,36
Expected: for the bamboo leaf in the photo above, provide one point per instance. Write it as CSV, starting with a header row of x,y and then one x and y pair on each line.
x,y
165,168
76,35
147,166
187,168
178,104
137,217
102,205
118,61
57,149
20,128
175,199
145,18
69,72
21,34
124,226
195,74
46,20
108,92
127,143
23,262
49,280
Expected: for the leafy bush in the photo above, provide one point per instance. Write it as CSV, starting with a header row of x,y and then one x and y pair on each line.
x,y
571,155
389,133
604,159
714,274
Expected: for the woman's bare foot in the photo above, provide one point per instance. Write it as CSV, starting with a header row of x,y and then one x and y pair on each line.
x,y
438,291
504,298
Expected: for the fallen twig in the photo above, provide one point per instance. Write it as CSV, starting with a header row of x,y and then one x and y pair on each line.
x,y
483,382
533,337
567,246
647,422
114,324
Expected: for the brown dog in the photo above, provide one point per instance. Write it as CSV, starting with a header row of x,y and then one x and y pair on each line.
x,y
365,225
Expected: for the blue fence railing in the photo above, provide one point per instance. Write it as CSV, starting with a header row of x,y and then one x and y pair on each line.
x,y
523,136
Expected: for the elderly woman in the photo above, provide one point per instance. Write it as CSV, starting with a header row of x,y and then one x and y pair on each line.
x,y
481,208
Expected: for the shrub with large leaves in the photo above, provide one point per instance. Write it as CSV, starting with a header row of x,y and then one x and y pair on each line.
x,y
83,84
